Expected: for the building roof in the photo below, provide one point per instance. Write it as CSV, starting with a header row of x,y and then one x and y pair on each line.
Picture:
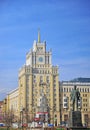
x,y
80,79
77,81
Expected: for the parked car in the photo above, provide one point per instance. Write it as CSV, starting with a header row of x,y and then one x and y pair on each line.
x,y
2,124
15,125
24,124
64,123
50,125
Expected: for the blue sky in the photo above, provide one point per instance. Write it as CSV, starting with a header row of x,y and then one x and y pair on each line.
x,y
64,24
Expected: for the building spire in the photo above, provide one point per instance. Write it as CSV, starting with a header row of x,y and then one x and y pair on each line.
x,y
38,35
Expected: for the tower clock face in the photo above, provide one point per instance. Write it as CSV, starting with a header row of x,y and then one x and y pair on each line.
x,y
40,59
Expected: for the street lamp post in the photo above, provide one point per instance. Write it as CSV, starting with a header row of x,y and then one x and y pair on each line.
x,y
21,119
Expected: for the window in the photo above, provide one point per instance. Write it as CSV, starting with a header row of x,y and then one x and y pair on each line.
x,y
47,79
65,117
85,95
86,118
55,99
34,76
85,90
69,89
46,59
54,81
65,104
82,89
54,94
54,78
65,100
55,115
41,78
55,89
88,90
64,89
54,85
83,105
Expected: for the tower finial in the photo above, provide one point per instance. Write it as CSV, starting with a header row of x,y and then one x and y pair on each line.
x,y
38,35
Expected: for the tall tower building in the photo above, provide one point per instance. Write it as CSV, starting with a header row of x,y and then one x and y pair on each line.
x,y
39,78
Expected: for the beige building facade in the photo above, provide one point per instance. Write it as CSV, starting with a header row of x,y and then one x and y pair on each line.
x,y
37,78
84,105
12,103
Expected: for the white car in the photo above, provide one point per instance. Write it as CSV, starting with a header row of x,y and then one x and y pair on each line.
x,y
15,125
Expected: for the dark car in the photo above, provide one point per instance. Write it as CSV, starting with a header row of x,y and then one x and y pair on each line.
x,y
2,124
